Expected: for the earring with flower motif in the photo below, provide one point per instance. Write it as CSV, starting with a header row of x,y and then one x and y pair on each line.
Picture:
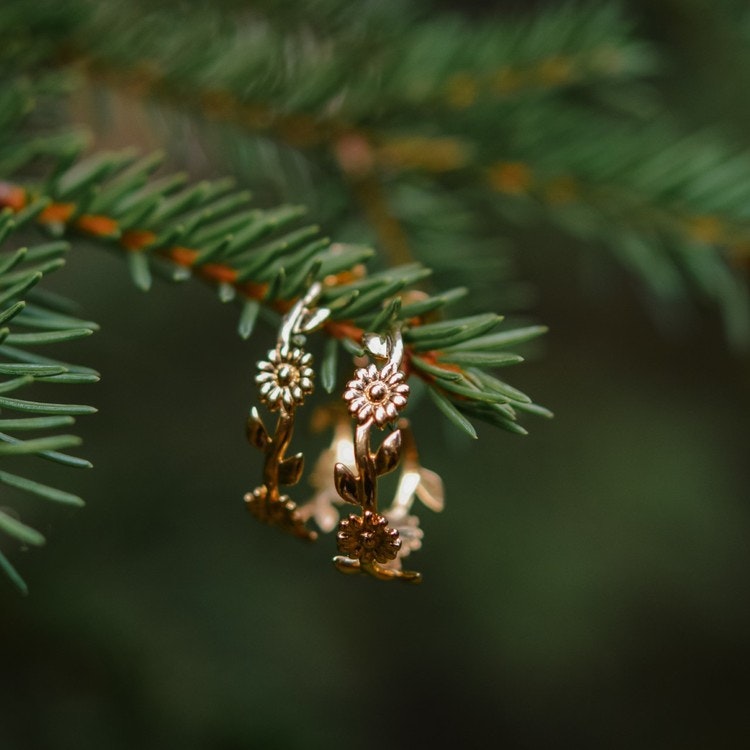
x,y
285,379
368,543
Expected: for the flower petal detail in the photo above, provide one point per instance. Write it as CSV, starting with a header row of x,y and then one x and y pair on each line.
x,y
284,379
363,414
377,393
368,538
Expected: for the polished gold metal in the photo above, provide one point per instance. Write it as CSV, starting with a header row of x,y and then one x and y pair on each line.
x,y
366,542
415,483
377,395
285,378
266,502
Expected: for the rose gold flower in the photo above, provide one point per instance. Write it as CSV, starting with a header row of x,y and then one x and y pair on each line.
x,y
377,394
285,378
368,538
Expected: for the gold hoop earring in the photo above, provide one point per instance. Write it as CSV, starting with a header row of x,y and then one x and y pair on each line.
x,y
285,379
367,543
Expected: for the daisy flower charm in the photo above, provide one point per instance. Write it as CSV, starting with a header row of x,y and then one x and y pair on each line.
x,y
285,378
377,395
368,538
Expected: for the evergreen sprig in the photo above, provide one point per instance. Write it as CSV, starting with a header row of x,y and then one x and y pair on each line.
x,y
164,225
28,321
554,112
443,129
262,257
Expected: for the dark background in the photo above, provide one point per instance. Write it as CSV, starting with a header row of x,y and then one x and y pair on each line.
x,y
599,601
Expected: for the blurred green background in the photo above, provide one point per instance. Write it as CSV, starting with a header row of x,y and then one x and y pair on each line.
x,y
599,601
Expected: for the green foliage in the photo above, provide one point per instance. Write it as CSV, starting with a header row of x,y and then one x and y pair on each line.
x,y
166,227
446,131
400,125
27,322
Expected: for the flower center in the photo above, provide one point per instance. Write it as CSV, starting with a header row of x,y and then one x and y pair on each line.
x,y
377,392
285,375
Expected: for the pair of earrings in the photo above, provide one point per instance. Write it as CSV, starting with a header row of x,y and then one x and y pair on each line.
x,y
371,541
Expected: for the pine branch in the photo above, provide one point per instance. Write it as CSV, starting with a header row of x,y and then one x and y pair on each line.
x,y
349,75
221,242
255,257
381,98
398,58
27,322
205,230
400,72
